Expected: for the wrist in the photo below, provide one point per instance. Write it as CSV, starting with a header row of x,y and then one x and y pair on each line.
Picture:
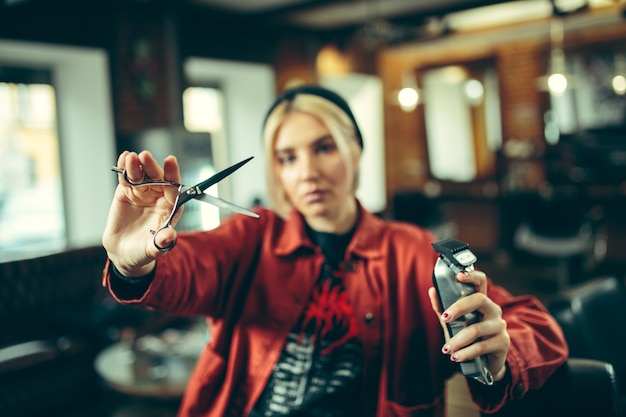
x,y
499,376
134,272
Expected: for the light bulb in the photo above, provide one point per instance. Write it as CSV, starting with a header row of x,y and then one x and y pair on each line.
x,y
619,85
557,83
408,98
474,91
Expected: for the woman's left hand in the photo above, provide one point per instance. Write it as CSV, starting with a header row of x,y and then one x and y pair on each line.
x,y
488,336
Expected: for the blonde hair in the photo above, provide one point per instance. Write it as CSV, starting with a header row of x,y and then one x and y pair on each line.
x,y
338,123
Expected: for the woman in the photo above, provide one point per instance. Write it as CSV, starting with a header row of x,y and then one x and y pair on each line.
x,y
318,307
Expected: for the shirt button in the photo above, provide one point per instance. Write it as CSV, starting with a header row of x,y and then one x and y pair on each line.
x,y
369,318
351,266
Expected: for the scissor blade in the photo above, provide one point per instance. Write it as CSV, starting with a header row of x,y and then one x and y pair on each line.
x,y
206,198
221,175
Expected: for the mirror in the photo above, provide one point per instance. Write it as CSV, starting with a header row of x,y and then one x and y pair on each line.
x,y
462,120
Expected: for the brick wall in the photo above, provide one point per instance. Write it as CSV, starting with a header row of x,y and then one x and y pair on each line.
x,y
518,62
141,72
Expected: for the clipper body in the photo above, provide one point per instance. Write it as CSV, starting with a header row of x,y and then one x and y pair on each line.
x,y
455,257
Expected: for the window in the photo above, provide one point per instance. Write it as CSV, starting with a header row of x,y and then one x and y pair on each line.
x,y
32,218
202,114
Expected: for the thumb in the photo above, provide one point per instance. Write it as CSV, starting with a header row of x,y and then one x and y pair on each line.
x,y
434,303
434,300
164,240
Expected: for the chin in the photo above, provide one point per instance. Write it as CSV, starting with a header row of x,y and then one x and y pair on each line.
x,y
315,210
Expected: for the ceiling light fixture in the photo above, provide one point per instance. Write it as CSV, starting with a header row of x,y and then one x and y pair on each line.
x,y
474,91
409,94
557,81
619,80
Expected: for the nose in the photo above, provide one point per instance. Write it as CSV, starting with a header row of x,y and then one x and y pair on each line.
x,y
308,169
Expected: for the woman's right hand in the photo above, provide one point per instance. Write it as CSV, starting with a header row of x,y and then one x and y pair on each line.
x,y
135,211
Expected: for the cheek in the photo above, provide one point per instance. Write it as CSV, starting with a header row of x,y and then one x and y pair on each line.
x,y
339,172
284,179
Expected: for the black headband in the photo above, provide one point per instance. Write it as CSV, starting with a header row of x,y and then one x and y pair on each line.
x,y
316,90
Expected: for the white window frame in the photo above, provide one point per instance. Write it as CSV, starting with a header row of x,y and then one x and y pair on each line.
x,y
81,80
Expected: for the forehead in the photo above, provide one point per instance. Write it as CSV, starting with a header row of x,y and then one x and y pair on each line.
x,y
299,129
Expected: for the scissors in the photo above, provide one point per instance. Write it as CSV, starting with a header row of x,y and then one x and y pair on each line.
x,y
186,194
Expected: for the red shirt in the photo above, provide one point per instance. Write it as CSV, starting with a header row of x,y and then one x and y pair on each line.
x,y
252,278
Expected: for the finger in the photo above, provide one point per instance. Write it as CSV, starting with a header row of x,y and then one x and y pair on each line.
x,y
470,352
172,169
132,165
495,346
477,302
150,165
468,304
478,331
171,173
477,278
121,164
121,160
434,302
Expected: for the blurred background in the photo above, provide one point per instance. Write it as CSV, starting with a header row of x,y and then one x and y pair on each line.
x,y
498,123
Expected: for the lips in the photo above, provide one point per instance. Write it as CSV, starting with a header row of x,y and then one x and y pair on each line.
x,y
314,197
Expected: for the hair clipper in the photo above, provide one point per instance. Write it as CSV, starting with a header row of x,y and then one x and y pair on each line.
x,y
456,257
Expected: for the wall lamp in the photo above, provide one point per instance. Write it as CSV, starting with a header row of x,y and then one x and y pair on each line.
x,y
557,81
619,80
408,96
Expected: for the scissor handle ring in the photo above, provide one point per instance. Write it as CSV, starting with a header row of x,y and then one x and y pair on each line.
x,y
168,224
144,181
162,248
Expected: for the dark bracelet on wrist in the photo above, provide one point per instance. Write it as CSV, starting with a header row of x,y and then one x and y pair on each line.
x,y
133,280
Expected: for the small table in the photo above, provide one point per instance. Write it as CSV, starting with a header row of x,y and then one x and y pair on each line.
x,y
154,365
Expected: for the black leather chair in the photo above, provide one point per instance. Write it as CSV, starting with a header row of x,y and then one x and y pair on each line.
x,y
592,317
46,362
560,234
580,388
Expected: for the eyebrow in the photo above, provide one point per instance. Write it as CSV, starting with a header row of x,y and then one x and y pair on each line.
x,y
315,143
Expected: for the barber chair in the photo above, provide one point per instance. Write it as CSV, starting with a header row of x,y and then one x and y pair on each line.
x,y
558,233
581,388
592,317
591,382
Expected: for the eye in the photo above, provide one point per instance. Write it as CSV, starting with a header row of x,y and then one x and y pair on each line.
x,y
285,158
326,147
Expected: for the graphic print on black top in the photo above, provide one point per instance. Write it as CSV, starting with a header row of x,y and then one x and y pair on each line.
x,y
328,315
319,368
